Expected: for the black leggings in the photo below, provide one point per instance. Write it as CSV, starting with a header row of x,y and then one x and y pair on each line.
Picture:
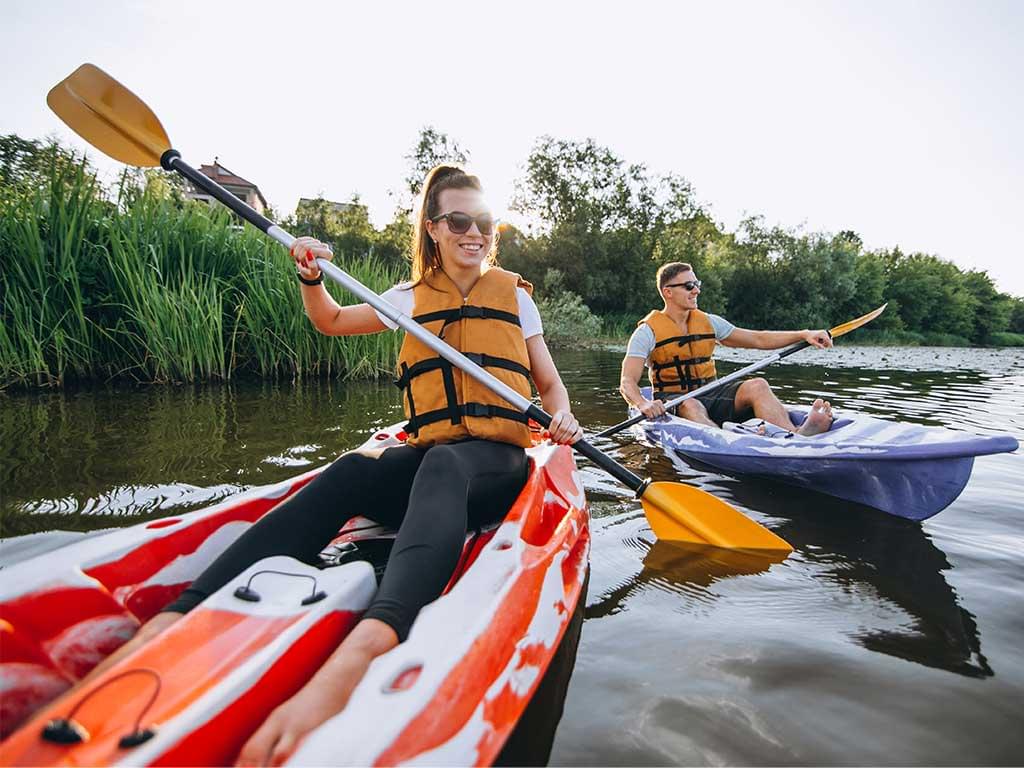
x,y
431,496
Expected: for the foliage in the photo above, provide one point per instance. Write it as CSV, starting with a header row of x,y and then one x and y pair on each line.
x,y
599,221
1006,339
139,282
433,147
348,229
607,226
567,320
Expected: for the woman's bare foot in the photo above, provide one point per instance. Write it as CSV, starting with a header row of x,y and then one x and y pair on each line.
x,y
324,696
818,420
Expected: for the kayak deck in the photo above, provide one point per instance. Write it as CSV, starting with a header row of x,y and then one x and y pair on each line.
x,y
456,687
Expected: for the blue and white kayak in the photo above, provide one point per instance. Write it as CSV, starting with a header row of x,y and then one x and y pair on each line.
x,y
904,469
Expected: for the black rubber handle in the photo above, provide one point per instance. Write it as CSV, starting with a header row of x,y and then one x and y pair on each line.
x,y
171,161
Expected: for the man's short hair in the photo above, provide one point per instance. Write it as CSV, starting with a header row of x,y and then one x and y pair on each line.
x,y
670,270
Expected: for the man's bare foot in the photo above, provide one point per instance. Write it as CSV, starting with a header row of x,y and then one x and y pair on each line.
x,y
818,420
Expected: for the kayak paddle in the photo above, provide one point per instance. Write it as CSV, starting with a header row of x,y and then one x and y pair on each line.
x,y
839,330
119,124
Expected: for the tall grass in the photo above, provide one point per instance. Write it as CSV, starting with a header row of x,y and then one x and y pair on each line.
x,y
138,283
273,332
48,235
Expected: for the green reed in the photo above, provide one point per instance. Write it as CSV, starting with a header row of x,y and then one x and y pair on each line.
x,y
47,255
139,283
274,333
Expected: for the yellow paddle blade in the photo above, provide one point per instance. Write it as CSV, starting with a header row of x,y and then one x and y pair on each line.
x,y
680,512
109,116
839,330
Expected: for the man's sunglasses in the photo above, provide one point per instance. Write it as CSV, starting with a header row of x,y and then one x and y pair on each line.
x,y
688,285
459,222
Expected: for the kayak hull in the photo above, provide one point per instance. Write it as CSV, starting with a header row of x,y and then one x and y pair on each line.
x,y
906,470
912,489
453,692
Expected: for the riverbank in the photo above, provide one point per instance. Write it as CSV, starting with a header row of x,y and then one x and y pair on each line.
x,y
847,354
618,344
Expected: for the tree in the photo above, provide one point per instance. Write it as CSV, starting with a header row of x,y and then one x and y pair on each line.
x,y
432,148
1016,316
991,309
601,222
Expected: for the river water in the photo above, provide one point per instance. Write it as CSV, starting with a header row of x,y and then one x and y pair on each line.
x,y
878,641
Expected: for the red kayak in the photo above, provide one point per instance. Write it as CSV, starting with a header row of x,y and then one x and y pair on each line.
x,y
452,693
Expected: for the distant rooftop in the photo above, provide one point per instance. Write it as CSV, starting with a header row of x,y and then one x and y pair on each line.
x,y
228,179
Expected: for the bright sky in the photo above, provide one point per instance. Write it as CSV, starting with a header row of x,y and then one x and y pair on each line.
x,y
899,120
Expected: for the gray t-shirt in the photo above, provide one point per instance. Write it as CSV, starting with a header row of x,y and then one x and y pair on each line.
x,y
641,343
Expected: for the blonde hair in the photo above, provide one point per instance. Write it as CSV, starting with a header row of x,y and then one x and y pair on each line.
x,y
425,255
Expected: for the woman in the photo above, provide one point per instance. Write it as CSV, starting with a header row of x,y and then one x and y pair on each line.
x,y
464,462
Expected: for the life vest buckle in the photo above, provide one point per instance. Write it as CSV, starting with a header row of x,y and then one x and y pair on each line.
x,y
477,409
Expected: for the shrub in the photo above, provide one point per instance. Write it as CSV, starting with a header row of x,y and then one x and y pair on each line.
x,y
567,320
1006,339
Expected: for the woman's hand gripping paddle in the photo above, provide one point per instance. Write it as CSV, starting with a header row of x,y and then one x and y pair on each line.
x,y
119,124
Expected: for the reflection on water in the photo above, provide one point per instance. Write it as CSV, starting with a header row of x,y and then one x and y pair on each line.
x,y
878,641
95,458
685,569
905,568
857,548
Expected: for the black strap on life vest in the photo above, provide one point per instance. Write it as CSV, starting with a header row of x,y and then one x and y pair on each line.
x,y
682,368
682,365
466,409
466,311
484,360
684,340
453,410
677,361
683,384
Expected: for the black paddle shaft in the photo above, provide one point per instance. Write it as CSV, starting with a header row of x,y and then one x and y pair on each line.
x,y
171,161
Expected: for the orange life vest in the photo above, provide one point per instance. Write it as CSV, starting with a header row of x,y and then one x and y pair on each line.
x,y
442,403
681,362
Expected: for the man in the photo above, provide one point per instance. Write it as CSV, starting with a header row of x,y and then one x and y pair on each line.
x,y
677,345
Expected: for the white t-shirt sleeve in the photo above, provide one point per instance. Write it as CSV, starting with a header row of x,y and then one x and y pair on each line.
x,y
641,343
401,296
529,316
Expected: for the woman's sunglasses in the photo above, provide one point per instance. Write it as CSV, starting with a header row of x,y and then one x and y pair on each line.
x,y
688,285
459,222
